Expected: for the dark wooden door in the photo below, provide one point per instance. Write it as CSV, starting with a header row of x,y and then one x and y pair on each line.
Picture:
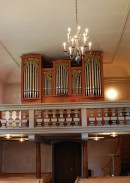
x,y
67,162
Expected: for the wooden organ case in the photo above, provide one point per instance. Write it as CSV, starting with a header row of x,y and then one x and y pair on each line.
x,y
62,80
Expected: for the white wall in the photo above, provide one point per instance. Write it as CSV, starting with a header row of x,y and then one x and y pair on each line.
x,y
99,154
13,93
21,157
2,93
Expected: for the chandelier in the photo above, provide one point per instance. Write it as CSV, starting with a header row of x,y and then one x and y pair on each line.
x,y
77,45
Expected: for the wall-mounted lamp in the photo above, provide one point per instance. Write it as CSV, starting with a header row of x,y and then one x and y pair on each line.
x,y
8,136
113,134
111,94
96,138
21,139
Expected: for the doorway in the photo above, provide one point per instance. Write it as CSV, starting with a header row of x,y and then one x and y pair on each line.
x,y
67,162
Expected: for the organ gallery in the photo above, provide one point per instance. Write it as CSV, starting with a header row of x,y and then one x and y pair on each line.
x,y
62,80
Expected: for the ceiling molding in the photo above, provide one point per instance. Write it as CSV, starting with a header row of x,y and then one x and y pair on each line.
x,y
9,53
120,34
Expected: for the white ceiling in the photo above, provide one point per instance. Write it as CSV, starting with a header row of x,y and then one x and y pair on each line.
x,y
40,26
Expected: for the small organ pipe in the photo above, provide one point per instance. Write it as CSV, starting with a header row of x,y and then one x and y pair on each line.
x,y
95,79
24,88
28,80
80,84
35,84
67,90
26,83
98,80
94,93
56,81
44,84
92,77
86,83
94,69
59,80
88,79
77,84
32,80
64,73
90,71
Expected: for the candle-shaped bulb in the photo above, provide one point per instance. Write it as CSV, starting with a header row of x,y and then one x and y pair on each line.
x,y
64,45
70,49
86,32
82,50
90,45
69,29
84,40
72,40
79,27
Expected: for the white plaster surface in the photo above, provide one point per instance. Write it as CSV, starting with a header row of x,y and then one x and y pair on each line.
x,y
21,157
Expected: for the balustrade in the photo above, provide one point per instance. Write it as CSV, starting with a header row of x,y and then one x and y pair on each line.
x,y
14,119
57,118
108,116
80,117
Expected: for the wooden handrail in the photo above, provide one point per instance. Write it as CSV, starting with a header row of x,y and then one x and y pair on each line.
x,y
115,152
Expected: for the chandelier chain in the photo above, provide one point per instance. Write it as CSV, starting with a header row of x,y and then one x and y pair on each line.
x,y
76,10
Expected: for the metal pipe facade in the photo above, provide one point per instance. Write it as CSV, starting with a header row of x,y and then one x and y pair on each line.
x,y
62,83
31,78
93,85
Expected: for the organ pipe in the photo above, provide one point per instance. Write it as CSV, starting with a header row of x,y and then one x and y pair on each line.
x,y
76,76
47,83
31,78
93,86
61,79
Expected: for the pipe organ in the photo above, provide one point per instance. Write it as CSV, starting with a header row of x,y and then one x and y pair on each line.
x,y
62,80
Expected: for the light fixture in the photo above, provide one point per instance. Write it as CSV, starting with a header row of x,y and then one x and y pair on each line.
x,y
21,139
96,138
113,134
8,136
111,94
78,44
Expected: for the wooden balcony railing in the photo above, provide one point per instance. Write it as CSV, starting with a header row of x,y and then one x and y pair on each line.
x,y
76,117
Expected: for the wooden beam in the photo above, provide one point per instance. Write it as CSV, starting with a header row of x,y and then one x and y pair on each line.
x,y
38,160
85,159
